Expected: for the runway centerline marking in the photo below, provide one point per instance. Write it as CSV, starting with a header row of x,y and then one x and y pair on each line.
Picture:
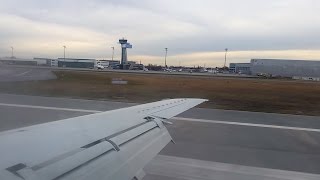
x,y
175,118
50,108
246,124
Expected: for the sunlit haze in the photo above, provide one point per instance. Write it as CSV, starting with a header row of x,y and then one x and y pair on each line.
x,y
196,32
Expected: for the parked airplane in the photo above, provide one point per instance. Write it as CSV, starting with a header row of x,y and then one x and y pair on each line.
x,y
113,145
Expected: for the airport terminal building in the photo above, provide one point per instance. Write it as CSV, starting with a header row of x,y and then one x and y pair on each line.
x,y
242,68
285,68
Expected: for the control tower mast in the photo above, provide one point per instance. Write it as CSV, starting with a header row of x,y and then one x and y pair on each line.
x,y
124,45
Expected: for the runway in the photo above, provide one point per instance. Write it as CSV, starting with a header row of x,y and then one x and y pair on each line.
x,y
238,140
16,73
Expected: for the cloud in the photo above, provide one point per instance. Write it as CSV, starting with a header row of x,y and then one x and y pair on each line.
x,y
188,28
39,38
214,59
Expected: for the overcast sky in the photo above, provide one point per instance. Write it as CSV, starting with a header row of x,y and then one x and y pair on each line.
x,y
195,31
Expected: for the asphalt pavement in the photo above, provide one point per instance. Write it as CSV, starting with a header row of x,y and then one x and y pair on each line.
x,y
244,140
16,73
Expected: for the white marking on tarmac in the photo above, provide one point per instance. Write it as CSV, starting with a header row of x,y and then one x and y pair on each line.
x,y
175,118
186,168
246,124
21,74
50,108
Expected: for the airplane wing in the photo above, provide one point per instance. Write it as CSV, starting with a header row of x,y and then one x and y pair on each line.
x,y
113,145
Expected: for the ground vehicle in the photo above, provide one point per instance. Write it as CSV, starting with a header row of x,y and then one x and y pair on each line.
x,y
99,66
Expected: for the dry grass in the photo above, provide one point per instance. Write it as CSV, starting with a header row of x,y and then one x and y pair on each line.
x,y
280,96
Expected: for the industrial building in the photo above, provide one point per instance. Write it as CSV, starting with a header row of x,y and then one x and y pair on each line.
x,y
108,63
15,61
135,66
62,62
240,68
285,68
43,61
76,63
28,62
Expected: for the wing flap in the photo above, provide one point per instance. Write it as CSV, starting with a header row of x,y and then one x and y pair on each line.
x,y
124,164
66,163
59,168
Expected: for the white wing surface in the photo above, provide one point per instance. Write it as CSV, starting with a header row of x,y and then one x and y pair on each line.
x,y
113,145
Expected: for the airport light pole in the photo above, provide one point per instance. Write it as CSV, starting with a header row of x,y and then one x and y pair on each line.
x,y
112,52
165,58
11,52
225,57
64,53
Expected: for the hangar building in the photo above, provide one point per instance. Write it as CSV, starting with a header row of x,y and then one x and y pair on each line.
x,y
285,68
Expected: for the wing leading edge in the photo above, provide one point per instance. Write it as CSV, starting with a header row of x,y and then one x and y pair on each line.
x,y
110,145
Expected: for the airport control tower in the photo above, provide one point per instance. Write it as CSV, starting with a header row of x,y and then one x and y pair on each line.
x,y
124,45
